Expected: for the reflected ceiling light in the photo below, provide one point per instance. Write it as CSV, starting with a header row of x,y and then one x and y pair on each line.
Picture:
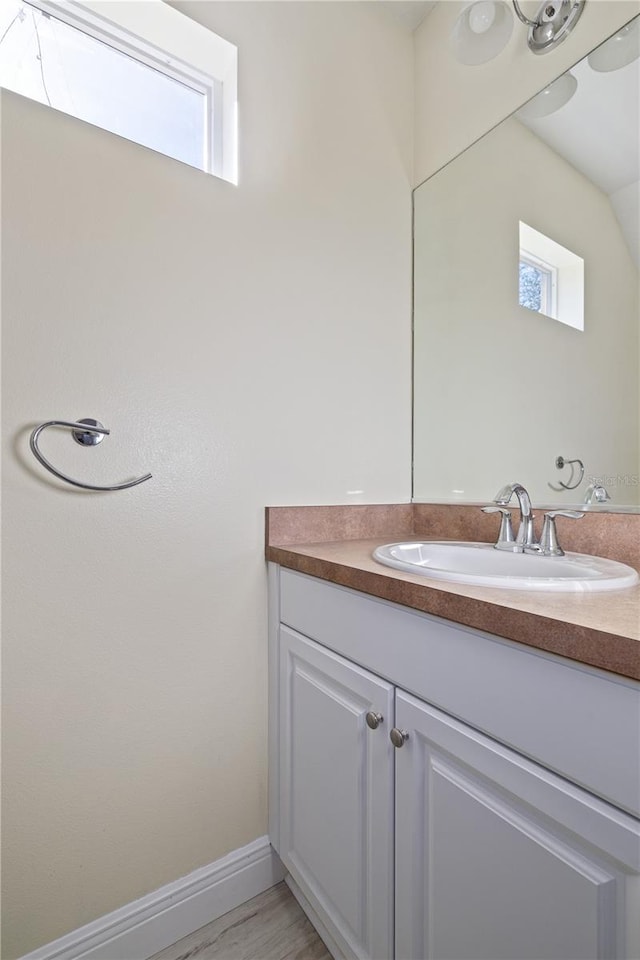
x,y
481,31
618,51
483,28
550,99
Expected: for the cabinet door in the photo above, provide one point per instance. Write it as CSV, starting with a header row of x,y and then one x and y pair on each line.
x,y
498,859
337,792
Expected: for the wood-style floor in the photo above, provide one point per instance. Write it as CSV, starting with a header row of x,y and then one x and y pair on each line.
x,y
270,927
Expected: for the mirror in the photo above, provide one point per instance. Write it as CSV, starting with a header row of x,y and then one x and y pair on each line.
x,y
526,300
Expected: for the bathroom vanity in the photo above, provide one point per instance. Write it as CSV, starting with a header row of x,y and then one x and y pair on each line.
x,y
439,791
455,771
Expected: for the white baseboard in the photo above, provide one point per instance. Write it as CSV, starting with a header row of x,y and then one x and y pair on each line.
x,y
143,927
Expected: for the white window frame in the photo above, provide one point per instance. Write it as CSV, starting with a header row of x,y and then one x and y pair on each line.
x,y
166,40
549,285
546,254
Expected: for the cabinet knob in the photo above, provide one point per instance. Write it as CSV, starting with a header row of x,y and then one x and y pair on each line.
x,y
398,737
374,720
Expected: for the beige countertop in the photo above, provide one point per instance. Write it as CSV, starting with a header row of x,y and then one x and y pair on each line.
x,y
600,629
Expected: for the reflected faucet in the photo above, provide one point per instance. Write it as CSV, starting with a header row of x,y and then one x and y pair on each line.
x,y
597,492
525,540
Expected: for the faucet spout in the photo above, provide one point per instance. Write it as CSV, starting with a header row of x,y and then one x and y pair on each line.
x,y
596,492
504,495
525,539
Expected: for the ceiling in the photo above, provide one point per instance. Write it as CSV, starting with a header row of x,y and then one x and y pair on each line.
x,y
597,131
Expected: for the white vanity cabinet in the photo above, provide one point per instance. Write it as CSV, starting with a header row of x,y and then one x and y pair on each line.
x,y
496,858
337,789
475,839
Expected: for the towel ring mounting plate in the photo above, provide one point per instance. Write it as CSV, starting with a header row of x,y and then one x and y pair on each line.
x,y
88,438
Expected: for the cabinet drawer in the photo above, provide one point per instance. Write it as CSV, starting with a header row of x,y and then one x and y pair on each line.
x,y
576,720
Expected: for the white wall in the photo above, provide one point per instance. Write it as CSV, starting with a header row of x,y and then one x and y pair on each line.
x,y
248,345
455,104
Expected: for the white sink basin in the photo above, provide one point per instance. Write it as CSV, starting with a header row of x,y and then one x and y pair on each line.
x,y
482,565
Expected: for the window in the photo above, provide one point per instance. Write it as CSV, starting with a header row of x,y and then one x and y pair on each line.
x,y
135,74
538,284
550,278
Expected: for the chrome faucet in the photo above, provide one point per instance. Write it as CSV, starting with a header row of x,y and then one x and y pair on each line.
x,y
596,492
525,541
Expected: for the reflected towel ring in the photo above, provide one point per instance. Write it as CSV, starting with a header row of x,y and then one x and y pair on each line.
x,y
560,463
87,432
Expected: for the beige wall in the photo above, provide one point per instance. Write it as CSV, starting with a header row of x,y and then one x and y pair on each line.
x,y
455,104
248,345
501,391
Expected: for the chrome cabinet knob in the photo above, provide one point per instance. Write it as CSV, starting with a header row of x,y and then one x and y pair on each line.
x,y
398,737
374,720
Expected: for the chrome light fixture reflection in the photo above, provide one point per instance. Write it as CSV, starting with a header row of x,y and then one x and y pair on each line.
x,y
621,49
481,31
484,28
552,98
553,23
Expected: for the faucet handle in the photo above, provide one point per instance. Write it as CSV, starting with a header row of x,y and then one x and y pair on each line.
x,y
506,538
549,538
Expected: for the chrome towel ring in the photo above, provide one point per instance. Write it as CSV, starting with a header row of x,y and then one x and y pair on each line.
x,y
561,463
87,432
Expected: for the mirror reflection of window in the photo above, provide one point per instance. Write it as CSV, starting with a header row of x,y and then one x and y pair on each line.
x,y
538,284
551,278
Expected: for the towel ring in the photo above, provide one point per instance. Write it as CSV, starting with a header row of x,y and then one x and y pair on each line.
x,y
560,463
87,432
